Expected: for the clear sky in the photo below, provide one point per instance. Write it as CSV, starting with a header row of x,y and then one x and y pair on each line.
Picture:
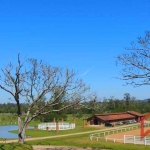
x,y
84,35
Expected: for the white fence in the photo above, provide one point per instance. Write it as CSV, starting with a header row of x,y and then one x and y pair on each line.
x,y
52,126
102,134
136,139
127,138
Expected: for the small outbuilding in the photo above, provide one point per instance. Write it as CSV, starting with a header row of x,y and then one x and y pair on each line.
x,y
101,119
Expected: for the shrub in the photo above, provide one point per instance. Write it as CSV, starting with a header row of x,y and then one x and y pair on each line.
x,y
15,146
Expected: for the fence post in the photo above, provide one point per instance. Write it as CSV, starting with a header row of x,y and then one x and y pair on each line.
x,y
74,121
57,126
84,123
134,140
91,136
47,128
27,127
114,140
35,127
124,139
145,140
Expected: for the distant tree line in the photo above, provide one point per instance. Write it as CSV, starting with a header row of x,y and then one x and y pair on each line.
x,y
11,108
110,105
106,105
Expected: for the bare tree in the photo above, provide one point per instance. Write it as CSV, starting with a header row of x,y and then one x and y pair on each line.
x,y
43,87
136,62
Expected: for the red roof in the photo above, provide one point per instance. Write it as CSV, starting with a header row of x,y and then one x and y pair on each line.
x,y
117,116
135,113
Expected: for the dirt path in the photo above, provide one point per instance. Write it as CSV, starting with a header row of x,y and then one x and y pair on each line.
x,y
62,148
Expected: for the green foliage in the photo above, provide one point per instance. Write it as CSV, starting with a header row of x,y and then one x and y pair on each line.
x,y
50,117
78,115
11,108
107,105
127,101
7,119
15,146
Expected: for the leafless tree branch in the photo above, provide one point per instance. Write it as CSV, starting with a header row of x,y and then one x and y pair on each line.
x,y
136,62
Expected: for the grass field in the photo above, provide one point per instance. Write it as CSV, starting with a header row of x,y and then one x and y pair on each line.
x,y
41,133
74,140
84,141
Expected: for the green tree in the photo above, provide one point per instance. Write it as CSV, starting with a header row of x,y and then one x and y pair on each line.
x,y
111,103
127,101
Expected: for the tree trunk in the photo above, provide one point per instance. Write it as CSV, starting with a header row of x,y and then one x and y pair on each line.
x,y
21,131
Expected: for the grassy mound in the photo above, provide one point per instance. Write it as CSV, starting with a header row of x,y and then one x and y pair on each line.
x,y
15,146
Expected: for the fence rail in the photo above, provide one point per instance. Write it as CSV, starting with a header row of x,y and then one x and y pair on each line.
x,y
127,138
136,139
97,135
52,126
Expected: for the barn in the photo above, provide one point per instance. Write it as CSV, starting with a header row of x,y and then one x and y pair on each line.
x,y
101,119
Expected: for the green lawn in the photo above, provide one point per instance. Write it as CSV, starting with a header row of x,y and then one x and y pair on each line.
x,y
84,141
78,129
40,133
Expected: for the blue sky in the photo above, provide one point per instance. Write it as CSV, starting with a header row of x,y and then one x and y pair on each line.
x,y
84,35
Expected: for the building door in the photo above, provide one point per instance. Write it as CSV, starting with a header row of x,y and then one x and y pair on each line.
x,y
96,122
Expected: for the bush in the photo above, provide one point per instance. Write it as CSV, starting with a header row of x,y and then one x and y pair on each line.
x,y
15,146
